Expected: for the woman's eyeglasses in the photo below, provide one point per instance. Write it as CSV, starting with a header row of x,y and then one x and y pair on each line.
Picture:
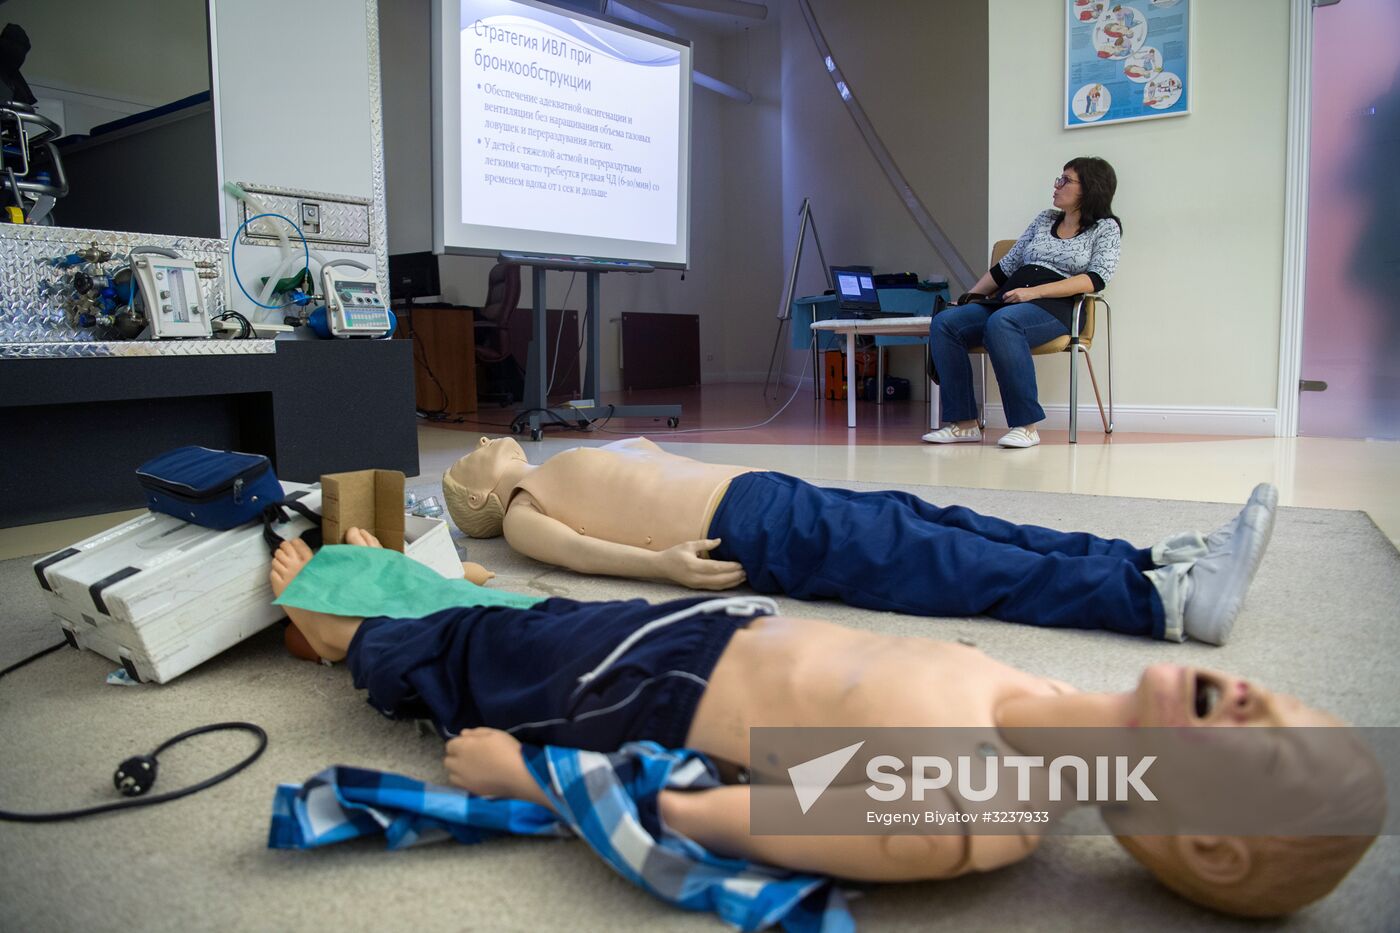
x,y
1063,180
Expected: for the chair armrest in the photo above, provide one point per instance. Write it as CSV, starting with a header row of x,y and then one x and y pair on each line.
x,y
1079,309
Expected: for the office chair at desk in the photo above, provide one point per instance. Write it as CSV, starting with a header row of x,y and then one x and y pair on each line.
x,y
492,330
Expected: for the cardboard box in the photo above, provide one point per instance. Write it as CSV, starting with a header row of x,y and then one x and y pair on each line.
x,y
368,499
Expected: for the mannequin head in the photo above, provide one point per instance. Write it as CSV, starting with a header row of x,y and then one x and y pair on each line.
x,y
475,485
1259,876
1249,876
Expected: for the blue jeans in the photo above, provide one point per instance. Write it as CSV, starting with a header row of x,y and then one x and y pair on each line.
x,y
1008,333
895,552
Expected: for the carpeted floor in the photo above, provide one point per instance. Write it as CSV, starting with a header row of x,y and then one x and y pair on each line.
x,y
1320,623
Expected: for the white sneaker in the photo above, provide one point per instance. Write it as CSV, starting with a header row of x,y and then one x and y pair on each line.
x,y
1221,578
952,434
1020,437
1187,547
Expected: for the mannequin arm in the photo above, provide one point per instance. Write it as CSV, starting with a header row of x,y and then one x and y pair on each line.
x,y
718,819
488,762
536,535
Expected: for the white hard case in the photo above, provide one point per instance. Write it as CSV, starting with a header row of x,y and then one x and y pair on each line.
x,y
160,596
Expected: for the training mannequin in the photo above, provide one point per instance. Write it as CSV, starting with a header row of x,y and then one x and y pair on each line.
x,y
631,509
492,677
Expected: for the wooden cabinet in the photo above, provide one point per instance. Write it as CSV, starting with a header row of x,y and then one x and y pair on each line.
x,y
444,356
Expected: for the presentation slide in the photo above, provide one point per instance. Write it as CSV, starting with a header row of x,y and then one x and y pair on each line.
x,y
560,133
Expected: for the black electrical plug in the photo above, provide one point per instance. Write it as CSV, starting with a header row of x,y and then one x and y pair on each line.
x,y
135,775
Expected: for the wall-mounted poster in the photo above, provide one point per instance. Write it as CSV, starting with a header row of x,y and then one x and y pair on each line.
x,y
1126,60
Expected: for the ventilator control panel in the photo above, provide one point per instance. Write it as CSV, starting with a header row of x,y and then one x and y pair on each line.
x,y
354,307
170,290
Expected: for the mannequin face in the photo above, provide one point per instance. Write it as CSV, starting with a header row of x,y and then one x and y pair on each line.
x,y
485,465
1174,696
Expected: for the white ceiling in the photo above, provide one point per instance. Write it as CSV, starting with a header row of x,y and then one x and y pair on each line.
x,y
689,20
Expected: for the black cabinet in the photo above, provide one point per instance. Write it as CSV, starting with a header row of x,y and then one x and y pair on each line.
x,y
73,431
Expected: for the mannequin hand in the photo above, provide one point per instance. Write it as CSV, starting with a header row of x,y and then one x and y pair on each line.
x,y
476,573
487,763
1021,294
684,565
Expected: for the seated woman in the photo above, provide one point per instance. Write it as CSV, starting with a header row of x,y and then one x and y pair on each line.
x,y
701,673
1025,300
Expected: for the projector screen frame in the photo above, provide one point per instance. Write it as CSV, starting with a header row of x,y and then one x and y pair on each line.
x,y
439,10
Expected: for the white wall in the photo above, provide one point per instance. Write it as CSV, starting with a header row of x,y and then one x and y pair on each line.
x,y
920,74
735,276
1197,296
305,127
753,271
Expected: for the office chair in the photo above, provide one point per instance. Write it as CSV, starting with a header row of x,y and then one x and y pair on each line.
x,y
1079,340
492,332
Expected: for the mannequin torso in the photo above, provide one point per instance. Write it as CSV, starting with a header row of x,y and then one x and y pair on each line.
x,y
804,672
794,672
631,492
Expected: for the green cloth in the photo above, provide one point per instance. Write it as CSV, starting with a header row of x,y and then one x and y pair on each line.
x,y
346,580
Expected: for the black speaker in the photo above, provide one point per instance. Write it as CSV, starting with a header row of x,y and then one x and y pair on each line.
x,y
413,275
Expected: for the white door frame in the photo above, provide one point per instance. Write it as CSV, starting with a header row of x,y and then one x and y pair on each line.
x,y
1295,215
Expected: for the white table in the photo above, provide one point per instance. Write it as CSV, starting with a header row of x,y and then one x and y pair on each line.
x,y
879,327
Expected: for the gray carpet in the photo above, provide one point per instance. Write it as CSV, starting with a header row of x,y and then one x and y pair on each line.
x,y
1320,623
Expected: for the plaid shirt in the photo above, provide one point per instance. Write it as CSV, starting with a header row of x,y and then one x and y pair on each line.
x,y
611,801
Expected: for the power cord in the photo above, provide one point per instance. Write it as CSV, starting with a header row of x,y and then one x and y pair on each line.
x,y
137,774
750,427
33,657
245,327
559,337
420,354
599,423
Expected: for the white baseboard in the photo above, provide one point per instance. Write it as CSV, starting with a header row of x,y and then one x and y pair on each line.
x,y
1159,419
787,379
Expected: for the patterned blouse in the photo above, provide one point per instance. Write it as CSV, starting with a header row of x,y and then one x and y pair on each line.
x,y
1093,252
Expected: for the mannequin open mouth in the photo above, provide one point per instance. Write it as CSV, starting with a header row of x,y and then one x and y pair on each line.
x,y
1205,695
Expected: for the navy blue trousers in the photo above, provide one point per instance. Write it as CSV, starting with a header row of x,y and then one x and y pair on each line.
x,y
519,670
893,551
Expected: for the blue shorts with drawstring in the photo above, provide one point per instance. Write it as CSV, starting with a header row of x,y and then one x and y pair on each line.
x,y
520,670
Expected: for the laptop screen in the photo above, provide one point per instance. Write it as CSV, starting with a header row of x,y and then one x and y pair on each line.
x,y
855,288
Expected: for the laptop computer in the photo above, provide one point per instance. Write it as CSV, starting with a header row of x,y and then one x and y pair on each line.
x,y
855,288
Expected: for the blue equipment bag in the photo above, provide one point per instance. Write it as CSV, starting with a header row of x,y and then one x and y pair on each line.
x,y
218,489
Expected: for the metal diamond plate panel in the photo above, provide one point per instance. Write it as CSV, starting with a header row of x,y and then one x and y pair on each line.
x,y
344,221
90,349
35,305
379,224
